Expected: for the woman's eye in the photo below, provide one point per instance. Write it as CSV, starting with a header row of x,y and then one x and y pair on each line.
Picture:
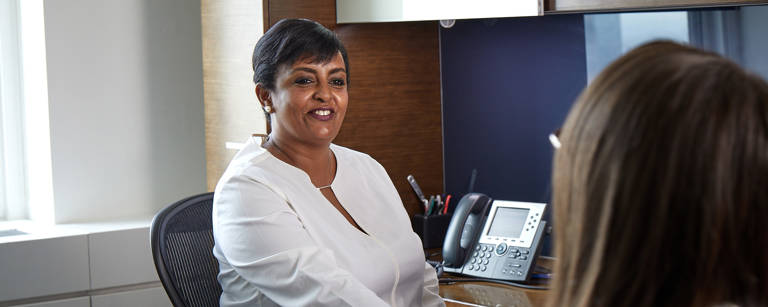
x,y
338,82
303,81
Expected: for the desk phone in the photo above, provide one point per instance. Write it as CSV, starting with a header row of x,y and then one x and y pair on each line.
x,y
500,242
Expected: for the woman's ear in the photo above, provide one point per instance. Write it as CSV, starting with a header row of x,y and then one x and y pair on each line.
x,y
262,93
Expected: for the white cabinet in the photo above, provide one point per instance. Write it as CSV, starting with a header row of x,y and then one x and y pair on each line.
x,y
72,302
99,264
121,258
43,267
356,11
152,297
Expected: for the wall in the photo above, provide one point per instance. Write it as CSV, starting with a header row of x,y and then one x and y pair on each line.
x,y
230,30
755,43
608,36
507,84
126,106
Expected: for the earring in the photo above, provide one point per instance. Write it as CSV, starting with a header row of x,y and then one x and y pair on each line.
x,y
268,109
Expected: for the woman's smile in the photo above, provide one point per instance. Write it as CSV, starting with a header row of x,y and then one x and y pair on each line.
x,y
322,114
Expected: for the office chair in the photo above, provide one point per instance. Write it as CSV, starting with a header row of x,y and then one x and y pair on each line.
x,y
181,236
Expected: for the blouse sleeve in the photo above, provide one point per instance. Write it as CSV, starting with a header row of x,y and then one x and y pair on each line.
x,y
430,295
267,245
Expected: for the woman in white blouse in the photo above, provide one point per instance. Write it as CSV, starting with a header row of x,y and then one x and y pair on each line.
x,y
299,221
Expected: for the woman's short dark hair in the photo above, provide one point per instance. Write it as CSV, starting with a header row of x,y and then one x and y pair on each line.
x,y
290,40
660,186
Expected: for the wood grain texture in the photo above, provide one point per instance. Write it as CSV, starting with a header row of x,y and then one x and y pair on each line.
x,y
565,6
230,29
491,294
394,110
322,11
494,294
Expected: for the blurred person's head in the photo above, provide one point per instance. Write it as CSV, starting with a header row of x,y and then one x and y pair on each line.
x,y
661,184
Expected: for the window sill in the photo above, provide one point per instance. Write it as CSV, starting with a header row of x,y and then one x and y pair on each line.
x,y
38,231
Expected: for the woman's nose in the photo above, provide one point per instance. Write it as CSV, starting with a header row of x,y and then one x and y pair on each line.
x,y
323,92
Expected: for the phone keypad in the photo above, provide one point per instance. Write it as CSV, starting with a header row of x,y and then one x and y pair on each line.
x,y
519,253
501,259
513,268
481,258
516,259
490,260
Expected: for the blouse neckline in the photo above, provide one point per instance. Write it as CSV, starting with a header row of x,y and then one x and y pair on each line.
x,y
296,169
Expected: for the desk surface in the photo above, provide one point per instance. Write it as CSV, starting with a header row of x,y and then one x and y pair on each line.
x,y
490,294
494,294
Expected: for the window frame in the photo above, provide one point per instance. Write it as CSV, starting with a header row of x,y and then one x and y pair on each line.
x,y
13,183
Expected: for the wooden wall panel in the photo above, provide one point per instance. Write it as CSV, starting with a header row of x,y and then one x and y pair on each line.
x,y
394,110
322,11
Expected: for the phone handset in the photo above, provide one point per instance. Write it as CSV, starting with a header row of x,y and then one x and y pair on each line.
x,y
465,226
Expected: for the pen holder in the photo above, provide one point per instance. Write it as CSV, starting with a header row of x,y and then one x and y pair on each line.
x,y
431,229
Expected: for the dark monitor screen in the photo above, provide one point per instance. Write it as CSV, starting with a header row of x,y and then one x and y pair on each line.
x,y
508,222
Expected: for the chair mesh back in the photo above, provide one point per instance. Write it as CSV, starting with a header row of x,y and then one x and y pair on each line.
x,y
186,248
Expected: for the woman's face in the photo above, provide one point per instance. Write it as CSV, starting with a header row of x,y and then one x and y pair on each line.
x,y
309,101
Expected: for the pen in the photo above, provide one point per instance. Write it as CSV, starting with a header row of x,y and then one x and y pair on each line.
x,y
416,188
447,200
431,205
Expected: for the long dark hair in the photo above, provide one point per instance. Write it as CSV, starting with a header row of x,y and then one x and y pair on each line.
x,y
661,184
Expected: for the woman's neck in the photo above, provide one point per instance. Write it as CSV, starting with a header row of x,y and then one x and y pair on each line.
x,y
315,160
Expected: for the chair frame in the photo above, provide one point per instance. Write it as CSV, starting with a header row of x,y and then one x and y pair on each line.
x,y
157,231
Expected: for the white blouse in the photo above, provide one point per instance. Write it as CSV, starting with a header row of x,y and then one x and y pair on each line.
x,y
280,242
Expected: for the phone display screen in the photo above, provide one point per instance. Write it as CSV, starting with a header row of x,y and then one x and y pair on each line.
x,y
508,222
